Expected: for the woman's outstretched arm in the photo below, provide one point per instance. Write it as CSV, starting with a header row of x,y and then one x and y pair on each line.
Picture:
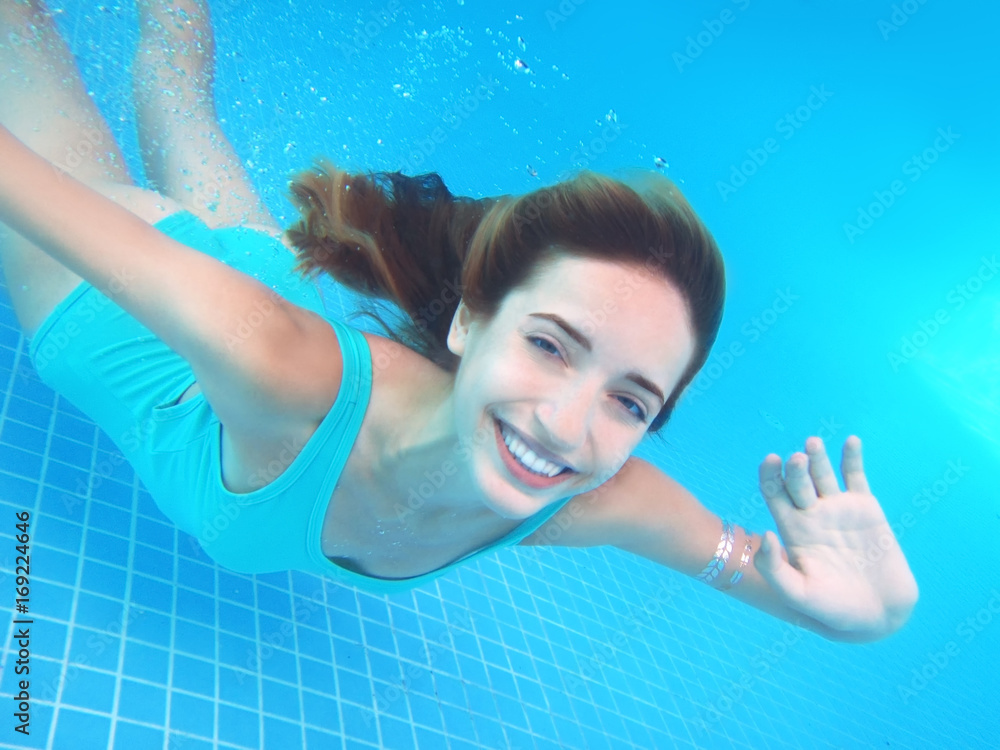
x,y
821,580
195,304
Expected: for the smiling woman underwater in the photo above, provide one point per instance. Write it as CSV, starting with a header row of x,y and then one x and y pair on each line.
x,y
385,462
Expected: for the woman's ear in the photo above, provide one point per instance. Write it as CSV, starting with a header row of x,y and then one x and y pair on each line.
x,y
459,330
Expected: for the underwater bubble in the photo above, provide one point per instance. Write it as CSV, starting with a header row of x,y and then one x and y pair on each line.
x,y
660,162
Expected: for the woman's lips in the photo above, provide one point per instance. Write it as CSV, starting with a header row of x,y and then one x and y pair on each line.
x,y
519,471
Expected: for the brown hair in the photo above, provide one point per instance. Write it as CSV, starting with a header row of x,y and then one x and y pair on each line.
x,y
410,241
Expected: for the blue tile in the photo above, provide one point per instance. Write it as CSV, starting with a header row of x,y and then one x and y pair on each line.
x,y
317,740
99,578
385,668
106,548
511,712
87,688
236,588
194,675
354,687
281,700
379,636
194,606
55,532
541,723
98,612
237,652
274,602
196,575
153,562
95,648
480,698
457,721
350,654
109,519
194,640
47,638
450,690
373,608
278,664
51,599
53,565
239,727
152,628
396,734
191,714
146,662
238,686
502,681
321,710
404,620
129,736
429,740
359,723
142,702
154,533
314,644
317,675
237,619
521,740
151,593
77,729
425,710
489,732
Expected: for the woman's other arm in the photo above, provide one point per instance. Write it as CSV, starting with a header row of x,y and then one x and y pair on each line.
x,y
821,580
254,379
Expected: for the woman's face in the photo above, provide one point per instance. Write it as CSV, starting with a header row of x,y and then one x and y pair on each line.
x,y
576,363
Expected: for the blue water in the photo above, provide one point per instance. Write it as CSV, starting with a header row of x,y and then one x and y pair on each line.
x,y
140,642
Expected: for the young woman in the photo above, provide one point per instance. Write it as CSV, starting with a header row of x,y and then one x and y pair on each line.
x,y
549,333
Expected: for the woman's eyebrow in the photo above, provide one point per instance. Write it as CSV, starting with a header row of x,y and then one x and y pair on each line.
x,y
579,337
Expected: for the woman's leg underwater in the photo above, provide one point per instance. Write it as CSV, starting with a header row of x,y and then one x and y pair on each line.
x,y
44,103
185,153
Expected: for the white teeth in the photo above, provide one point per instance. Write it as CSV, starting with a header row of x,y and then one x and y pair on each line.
x,y
528,458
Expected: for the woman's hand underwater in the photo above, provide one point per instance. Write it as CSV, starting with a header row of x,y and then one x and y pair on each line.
x,y
841,564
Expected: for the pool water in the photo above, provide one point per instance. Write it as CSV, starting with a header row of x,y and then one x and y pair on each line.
x,y
844,157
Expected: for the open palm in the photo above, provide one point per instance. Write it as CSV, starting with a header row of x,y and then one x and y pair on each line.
x,y
841,563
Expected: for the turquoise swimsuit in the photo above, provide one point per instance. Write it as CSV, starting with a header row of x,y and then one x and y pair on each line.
x,y
118,373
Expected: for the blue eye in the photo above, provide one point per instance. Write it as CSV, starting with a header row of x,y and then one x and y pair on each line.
x,y
641,416
544,341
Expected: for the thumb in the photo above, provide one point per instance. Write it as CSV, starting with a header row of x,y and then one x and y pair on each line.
x,y
769,561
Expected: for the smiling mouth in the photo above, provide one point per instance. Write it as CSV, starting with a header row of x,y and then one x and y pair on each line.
x,y
527,459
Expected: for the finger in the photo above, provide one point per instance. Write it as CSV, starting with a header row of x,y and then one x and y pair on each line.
x,y
772,487
774,568
799,483
852,467
820,468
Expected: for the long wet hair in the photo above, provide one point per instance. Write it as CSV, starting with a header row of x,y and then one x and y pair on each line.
x,y
410,241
